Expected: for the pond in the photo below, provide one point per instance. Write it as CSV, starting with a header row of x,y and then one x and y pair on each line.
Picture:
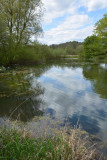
x,y
70,89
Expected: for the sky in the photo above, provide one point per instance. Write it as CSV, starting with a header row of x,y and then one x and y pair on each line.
x,y
70,20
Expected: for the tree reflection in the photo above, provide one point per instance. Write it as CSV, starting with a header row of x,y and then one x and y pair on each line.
x,y
16,90
98,76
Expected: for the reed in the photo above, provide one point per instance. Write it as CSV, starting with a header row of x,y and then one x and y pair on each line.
x,y
21,144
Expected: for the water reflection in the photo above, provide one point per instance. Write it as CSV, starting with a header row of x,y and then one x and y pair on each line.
x,y
88,124
73,90
18,100
69,94
97,74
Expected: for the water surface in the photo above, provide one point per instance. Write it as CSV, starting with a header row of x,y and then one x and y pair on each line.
x,y
67,89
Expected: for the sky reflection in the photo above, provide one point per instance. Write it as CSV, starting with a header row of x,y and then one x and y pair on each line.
x,y
69,94
76,91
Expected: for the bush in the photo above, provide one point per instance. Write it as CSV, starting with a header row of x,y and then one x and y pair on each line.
x,y
92,46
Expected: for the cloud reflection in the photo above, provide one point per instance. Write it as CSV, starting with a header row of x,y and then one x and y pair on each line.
x,y
69,94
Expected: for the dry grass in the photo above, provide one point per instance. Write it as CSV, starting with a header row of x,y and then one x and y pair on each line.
x,y
46,141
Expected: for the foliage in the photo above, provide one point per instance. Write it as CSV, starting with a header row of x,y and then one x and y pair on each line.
x,y
101,26
21,145
30,54
3,35
92,46
80,50
98,76
101,30
21,19
71,48
95,45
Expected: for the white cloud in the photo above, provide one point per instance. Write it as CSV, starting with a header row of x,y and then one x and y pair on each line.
x,y
72,28
94,4
58,8
76,26
62,100
54,9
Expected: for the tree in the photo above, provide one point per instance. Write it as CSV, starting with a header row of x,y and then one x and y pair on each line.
x,y
3,35
79,50
92,46
101,30
101,26
22,19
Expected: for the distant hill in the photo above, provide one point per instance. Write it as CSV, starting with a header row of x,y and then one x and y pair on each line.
x,y
72,44
72,48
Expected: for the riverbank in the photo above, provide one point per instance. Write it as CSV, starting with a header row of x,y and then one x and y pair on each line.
x,y
47,139
32,54
16,88
38,54
20,144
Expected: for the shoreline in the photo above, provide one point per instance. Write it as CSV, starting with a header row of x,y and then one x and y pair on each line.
x,y
46,131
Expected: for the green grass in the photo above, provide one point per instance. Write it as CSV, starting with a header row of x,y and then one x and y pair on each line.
x,y
20,145
15,146
38,54
31,54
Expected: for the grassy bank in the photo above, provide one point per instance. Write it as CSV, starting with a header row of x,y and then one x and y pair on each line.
x,y
21,145
31,54
38,54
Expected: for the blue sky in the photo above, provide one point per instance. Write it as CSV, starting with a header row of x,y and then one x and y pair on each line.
x,y
68,20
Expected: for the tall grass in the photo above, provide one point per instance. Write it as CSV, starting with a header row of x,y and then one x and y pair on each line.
x,y
34,53
22,55
37,53
19,144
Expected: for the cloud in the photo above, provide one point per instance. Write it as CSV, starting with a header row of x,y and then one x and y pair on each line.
x,y
77,92
55,9
69,20
77,98
94,5
74,27
58,8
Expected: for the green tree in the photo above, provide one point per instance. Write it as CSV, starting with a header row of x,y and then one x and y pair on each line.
x,y
92,46
3,35
22,19
101,26
101,30
79,50
70,50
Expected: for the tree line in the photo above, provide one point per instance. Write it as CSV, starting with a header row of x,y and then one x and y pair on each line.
x,y
96,44
93,46
20,20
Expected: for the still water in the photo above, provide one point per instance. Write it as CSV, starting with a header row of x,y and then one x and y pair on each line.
x,y
67,89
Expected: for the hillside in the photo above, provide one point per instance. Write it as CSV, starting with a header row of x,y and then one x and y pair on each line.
x,y
72,44
71,48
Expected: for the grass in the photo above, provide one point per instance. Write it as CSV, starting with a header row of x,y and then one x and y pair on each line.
x,y
38,53
18,144
32,54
